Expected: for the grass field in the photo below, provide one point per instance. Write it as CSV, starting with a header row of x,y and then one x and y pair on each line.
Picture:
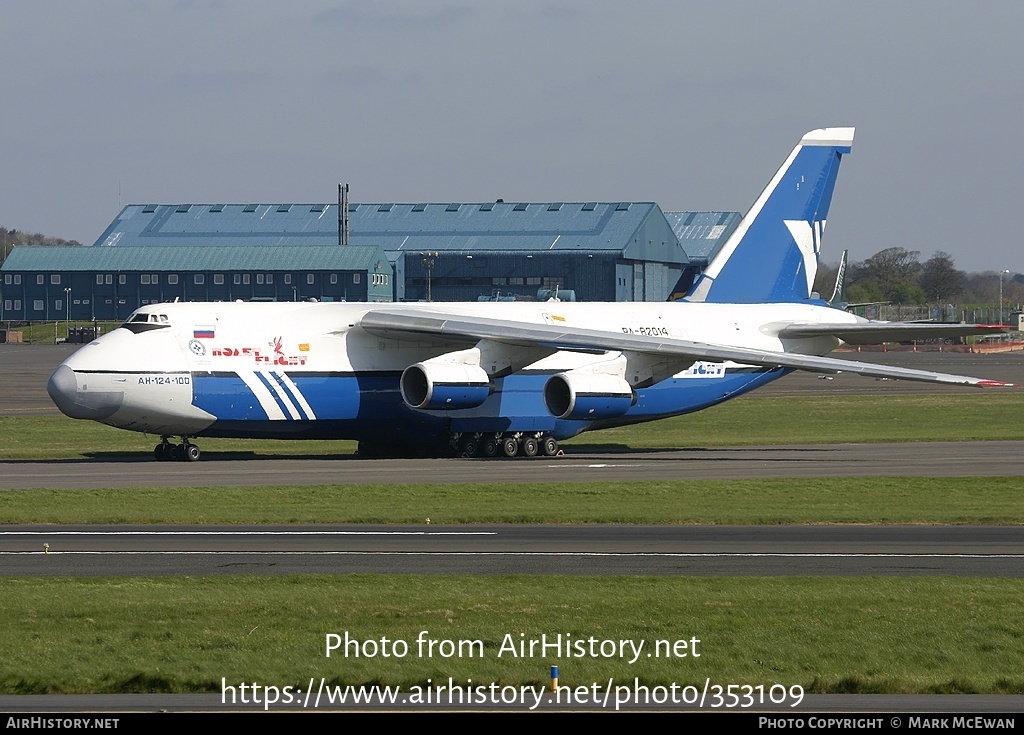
x,y
981,500
178,634
828,635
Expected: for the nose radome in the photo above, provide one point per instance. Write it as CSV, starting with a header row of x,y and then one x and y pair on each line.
x,y
81,404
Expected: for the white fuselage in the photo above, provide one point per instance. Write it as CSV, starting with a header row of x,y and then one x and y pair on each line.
x,y
145,375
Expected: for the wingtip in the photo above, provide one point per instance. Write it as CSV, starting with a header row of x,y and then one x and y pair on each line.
x,y
995,384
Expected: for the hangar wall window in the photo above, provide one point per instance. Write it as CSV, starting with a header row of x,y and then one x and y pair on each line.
x,y
259,279
156,279
17,279
199,279
172,279
58,304
7,280
7,305
99,279
309,279
17,304
355,278
55,279
122,279
144,279
108,279
245,279
287,279
237,279
37,305
270,278
39,280
334,278
218,279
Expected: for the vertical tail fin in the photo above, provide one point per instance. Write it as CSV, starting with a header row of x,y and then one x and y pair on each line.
x,y
772,255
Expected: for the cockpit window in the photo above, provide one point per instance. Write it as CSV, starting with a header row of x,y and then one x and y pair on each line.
x,y
143,321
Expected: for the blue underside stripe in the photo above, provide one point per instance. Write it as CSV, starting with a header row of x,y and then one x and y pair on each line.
x,y
366,405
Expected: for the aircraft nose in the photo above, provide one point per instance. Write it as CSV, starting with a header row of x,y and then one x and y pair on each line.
x,y
81,403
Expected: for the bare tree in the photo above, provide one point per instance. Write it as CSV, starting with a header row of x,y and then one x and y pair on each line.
x,y
940,279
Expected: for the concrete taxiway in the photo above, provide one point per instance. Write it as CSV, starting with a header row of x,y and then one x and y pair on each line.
x,y
990,551
953,459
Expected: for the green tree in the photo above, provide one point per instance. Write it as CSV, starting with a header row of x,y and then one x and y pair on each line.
x,y
940,279
891,274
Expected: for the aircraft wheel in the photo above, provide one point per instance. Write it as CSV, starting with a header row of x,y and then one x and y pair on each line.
x,y
176,452
490,448
530,446
192,453
366,450
160,452
549,446
509,446
470,447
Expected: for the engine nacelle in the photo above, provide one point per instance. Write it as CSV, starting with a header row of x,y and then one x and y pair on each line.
x,y
588,396
444,386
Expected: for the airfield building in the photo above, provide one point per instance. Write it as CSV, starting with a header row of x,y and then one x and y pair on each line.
x,y
592,251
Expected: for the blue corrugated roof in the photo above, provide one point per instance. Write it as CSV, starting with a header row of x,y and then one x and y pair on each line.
x,y
196,258
394,227
702,233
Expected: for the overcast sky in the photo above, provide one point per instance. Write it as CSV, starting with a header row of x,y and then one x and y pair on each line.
x,y
690,105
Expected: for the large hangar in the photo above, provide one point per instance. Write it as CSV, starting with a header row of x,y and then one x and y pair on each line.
x,y
594,251
86,283
604,251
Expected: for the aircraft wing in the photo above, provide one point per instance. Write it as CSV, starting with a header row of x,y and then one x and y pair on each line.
x,y
873,333
470,329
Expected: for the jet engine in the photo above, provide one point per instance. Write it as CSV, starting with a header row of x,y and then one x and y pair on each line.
x,y
444,386
589,396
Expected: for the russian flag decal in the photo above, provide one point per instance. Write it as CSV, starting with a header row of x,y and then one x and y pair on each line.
x,y
203,333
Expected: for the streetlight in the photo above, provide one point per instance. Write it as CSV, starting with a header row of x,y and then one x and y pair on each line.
x,y
428,262
1001,273
67,313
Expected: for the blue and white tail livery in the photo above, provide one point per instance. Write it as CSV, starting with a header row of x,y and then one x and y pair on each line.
x,y
772,256
486,379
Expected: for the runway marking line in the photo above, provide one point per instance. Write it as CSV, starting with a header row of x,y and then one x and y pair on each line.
x,y
533,553
247,533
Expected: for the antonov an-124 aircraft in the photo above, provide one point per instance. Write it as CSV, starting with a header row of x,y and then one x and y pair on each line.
x,y
492,379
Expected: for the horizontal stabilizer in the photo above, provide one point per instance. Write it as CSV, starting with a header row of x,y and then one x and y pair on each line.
x,y
874,333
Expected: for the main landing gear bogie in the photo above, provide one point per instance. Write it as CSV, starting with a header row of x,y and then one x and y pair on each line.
x,y
184,452
510,444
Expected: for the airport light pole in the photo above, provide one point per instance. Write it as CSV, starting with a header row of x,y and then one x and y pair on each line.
x,y
67,313
428,262
1001,274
